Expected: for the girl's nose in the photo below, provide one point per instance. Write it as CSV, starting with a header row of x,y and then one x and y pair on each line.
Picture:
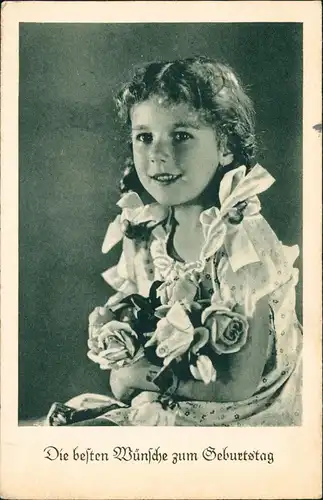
x,y
160,152
157,159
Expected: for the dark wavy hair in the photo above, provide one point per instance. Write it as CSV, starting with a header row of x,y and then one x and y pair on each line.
x,y
209,87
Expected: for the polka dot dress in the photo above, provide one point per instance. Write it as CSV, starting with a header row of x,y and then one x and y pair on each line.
x,y
277,400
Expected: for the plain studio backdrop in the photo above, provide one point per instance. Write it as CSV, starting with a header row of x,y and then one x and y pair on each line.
x,y
72,151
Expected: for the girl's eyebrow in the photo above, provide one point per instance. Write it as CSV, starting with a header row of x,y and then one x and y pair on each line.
x,y
183,124
140,127
187,124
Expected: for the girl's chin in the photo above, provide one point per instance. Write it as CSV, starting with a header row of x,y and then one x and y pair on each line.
x,y
171,195
171,201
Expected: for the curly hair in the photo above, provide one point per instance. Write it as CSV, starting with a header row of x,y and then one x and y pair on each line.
x,y
209,87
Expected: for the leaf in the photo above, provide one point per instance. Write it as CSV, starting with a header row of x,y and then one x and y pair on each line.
x,y
155,301
139,301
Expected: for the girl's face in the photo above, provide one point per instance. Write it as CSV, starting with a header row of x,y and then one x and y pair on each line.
x,y
175,153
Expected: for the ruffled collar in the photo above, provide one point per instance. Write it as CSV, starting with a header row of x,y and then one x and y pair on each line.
x,y
221,226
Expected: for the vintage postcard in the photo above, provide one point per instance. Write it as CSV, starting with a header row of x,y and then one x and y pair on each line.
x,y
161,250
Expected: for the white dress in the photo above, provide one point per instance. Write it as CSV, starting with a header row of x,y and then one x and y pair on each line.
x,y
241,261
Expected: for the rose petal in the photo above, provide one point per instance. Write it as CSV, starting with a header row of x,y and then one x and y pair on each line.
x,y
212,309
115,328
161,311
94,331
229,339
93,356
113,355
220,347
130,346
222,322
113,342
162,332
195,372
120,326
201,337
93,344
173,335
177,343
111,349
178,317
175,355
152,341
98,315
183,289
117,336
205,368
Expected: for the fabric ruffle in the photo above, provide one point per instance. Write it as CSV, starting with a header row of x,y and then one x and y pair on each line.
x,y
274,268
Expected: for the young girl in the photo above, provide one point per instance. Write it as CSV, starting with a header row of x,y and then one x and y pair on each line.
x,y
195,242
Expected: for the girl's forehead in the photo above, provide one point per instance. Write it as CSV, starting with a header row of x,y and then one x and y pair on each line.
x,y
158,108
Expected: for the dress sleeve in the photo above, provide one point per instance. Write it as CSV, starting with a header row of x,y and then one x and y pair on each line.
x,y
122,276
271,275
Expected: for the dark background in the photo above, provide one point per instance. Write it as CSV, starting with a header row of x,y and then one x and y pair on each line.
x,y
71,155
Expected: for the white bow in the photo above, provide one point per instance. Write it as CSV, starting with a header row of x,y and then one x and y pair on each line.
x,y
134,211
236,187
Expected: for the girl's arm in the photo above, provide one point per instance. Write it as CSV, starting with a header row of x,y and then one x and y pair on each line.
x,y
237,377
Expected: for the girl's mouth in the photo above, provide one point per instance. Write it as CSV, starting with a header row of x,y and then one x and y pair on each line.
x,y
166,178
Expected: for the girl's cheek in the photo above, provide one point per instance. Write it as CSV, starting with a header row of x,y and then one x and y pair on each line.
x,y
140,150
181,156
138,158
141,165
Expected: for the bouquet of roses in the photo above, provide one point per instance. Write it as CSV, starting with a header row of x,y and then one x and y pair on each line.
x,y
185,335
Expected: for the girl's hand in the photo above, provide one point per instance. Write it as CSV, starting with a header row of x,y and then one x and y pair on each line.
x,y
126,382
119,384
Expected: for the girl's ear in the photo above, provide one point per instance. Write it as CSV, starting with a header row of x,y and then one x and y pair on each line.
x,y
226,157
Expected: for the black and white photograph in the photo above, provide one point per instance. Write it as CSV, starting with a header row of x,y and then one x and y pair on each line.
x,y
161,261
180,159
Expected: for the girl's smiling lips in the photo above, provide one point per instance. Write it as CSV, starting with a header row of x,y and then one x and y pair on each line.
x,y
166,178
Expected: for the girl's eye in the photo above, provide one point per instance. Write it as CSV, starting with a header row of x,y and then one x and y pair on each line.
x,y
182,136
145,137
